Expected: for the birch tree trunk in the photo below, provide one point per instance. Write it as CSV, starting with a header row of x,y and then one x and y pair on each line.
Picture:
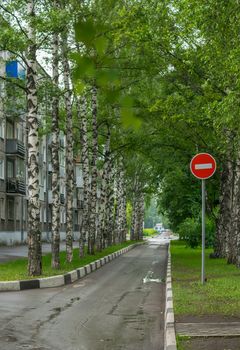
x,y
93,204
34,233
117,188
100,241
84,230
141,215
138,211
55,158
132,233
69,150
124,215
136,218
110,208
121,204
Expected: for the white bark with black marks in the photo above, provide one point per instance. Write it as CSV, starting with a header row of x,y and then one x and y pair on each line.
x,y
84,226
34,233
93,203
109,227
69,149
101,237
55,157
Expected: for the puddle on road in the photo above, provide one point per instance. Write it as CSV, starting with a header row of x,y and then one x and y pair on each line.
x,y
149,278
31,347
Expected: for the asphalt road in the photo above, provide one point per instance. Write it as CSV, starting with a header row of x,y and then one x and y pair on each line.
x,y
120,306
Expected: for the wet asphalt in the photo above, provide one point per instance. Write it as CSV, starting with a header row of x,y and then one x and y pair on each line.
x,y
116,307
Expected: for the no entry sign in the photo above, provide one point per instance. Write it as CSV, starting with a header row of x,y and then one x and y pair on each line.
x,y
203,165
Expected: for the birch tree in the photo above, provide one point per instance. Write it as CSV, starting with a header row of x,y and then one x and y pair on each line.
x,y
93,204
84,227
101,237
34,233
69,147
55,156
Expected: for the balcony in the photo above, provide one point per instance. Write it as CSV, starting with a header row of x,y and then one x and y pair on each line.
x,y
15,147
15,185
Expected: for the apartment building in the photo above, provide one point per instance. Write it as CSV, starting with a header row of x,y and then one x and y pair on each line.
x,y
13,172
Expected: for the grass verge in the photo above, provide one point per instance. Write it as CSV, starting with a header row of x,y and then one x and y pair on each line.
x,y
148,232
219,296
181,341
17,270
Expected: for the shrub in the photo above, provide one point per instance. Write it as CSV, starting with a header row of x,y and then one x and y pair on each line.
x,y
190,230
149,232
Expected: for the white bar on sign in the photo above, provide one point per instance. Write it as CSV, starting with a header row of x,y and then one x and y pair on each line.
x,y
203,166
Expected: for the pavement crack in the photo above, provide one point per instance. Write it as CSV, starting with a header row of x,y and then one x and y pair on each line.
x,y
117,303
56,312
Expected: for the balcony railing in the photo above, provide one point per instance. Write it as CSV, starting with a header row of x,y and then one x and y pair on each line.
x,y
14,146
15,185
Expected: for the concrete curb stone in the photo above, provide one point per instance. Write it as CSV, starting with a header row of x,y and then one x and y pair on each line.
x,y
93,266
87,269
170,334
53,281
61,280
102,260
81,272
9,285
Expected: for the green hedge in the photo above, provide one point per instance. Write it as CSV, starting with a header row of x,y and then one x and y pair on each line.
x,y
149,232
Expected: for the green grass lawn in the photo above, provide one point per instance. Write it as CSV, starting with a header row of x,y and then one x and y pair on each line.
x,y
148,232
17,270
221,293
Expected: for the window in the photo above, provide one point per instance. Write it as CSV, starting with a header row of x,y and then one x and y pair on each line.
x,y
44,153
75,217
2,168
10,208
10,130
63,216
42,176
2,209
20,133
20,170
10,168
18,211
49,181
1,129
44,215
62,158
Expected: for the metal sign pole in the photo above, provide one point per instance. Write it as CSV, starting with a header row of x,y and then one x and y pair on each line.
x,y
203,232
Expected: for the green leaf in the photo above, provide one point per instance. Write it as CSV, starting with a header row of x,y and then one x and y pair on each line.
x,y
107,77
128,119
85,67
101,45
85,32
79,87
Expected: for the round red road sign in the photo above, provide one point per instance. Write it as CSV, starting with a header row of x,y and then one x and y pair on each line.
x,y
203,165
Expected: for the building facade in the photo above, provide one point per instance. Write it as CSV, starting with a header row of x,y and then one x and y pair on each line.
x,y
13,172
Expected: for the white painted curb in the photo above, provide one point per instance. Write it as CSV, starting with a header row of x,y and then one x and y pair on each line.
x,y
170,335
54,281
